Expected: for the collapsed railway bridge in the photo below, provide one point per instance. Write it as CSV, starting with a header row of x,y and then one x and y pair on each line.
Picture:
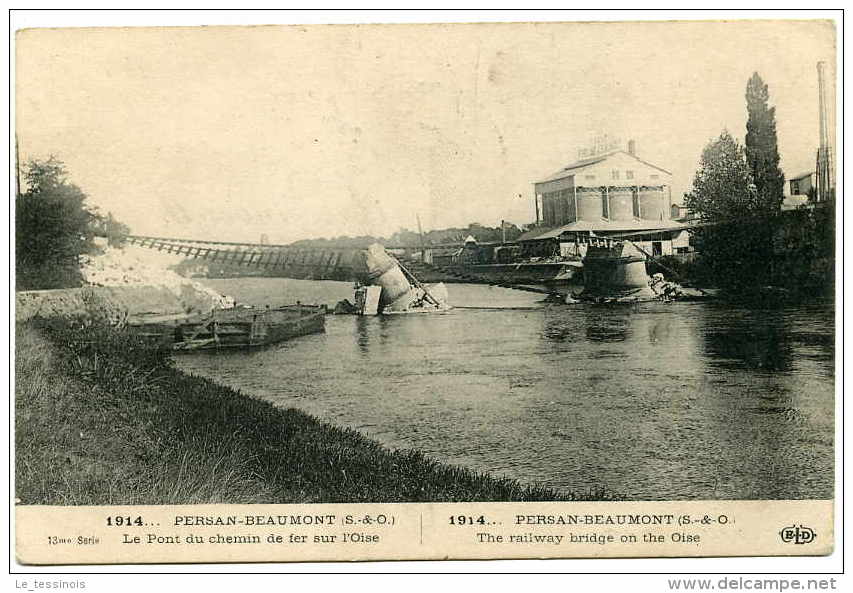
x,y
289,261
312,263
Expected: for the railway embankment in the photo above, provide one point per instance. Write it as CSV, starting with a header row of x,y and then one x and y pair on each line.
x,y
121,283
111,304
103,419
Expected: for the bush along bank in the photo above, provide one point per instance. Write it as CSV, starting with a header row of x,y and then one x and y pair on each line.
x,y
795,264
103,419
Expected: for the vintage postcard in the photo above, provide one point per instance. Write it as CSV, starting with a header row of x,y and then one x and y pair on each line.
x,y
425,291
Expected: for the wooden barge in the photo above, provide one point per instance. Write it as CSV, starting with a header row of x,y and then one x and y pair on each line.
x,y
240,327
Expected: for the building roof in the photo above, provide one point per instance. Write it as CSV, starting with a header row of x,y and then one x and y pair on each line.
x,y
577,166
602,226
443,251
802,176
532,234
570,169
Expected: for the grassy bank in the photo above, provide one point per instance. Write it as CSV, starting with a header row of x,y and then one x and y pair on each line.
x,y
100,419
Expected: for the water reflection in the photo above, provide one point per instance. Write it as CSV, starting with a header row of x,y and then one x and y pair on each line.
x,y
610,326
598,324
660,330
748,339
362,332
672,401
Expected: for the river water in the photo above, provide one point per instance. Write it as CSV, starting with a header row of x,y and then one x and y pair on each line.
x,y
662,402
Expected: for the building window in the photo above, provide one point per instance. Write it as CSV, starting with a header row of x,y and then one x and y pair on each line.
x,y
605,211
589,177
615,173
655,176
635,202
629,174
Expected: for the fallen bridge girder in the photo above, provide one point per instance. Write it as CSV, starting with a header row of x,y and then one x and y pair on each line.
x,y
291,262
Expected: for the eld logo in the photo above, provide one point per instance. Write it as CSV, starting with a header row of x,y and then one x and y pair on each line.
x,y
798,534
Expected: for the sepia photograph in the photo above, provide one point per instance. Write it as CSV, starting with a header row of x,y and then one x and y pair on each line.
x,y
530,262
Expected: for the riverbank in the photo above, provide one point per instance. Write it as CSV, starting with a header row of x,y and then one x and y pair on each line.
x,y
100,419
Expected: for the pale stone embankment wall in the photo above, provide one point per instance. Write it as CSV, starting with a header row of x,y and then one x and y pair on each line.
x,y
110,303
121,283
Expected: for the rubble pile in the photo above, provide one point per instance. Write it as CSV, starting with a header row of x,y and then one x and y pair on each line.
x,y
136,266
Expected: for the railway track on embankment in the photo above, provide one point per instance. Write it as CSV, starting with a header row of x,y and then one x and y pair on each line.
x,y
311,263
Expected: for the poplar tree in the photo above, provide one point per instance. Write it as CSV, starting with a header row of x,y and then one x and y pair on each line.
x,y
762,152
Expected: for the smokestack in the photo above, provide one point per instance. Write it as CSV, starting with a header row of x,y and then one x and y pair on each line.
x,y
825,169
17,169
821,89
632,147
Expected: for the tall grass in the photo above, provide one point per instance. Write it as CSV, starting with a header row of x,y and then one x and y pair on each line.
x,y
103,419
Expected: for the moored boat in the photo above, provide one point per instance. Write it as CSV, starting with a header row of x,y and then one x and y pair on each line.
x,y
240,327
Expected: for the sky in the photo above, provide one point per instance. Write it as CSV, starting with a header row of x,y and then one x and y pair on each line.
x,y
227,133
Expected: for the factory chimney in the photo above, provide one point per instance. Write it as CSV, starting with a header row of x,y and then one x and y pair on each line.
x,y
825,170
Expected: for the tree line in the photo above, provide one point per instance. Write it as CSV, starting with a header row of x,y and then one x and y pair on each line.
x,y
737,192
55,227
408,238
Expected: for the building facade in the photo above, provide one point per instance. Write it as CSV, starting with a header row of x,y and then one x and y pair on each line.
x,y
615,186
802,185
614,194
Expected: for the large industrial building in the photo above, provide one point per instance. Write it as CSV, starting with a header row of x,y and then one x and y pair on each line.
x,y
613,194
